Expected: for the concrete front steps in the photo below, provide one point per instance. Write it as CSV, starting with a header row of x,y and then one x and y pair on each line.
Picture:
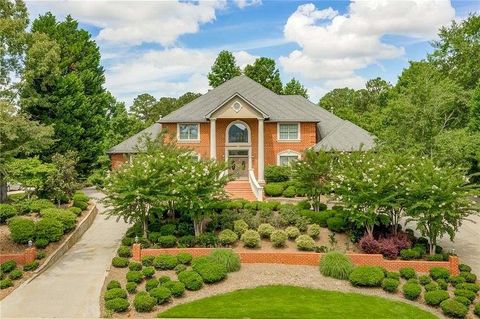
x,y
240,190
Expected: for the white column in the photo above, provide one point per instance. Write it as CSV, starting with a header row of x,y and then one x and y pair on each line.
x,y
213,139
261,151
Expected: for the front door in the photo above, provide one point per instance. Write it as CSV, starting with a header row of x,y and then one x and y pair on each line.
x,y
238,163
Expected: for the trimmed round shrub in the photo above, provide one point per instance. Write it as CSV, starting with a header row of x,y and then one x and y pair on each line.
x,y
164,279
49,228
435,298
469,286
191,279
6,283
411,290
148,272
211,271
127,241
227,237
465,293
124,251
431,286
37,205
476,310
184,258
113,284
133,265
151,283
436,257
161,294
390,284
366,276
463,300
409,254
131,287
439,273
453,308
304,204
226,257
292,232
68,219
313,230
40,255
265,230
240,226
31,266
179,268
464,268
8,266
424,280
251,239
134,276
15,274
147,260
275,173
289,192
336,224
335,264
393,275
165,262
442,284
274,189
21,229
143,302
115,293
77,211
278,238
120,262
81,205
413,280
117,305
167,241
81,197
176,287
455,280
305,243
408,273
6,211
41,243
469,277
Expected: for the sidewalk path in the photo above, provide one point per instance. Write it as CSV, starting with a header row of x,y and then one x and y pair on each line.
x,y
71,287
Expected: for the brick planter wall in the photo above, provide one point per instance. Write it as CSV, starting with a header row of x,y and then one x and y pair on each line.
x,y
27,256
307,258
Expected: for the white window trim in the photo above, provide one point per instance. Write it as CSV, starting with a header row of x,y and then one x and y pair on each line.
x,y
194,153
288,140
288,153
238,144
189,140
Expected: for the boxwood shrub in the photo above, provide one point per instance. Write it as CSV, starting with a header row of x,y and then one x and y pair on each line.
x,y
161,294
179,268
407,273
393,275
6,211
176,287
265,230
49,228
8,266
336,224
133,265
289,192
6,283
120,262
240,226
148,272
37,205
227,237
469,277
67,218
191,279
462,300
80,204
134,276
469,286
147,260
313,230
411,290
431,286
31,266
274,189
455,280
292,232
165,262
305,243
164,279
435,298
367,276
151,283
81,197
115,293
210,271
278,238
15,274
77,211
184,258
390,284
476,310
143,302
464,268
41,243
442,284
439,273
453,308
117,305
275,173
21,229
251,239
167,241
465,293
113,284
131,287
424,280
410,253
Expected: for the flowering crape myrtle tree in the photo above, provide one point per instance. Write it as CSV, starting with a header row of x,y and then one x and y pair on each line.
x,y
440,200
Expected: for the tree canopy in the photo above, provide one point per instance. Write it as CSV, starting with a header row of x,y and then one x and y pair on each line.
x,y
224,69
294,87
265,72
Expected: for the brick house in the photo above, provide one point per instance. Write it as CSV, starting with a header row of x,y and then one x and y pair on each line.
x,y
248,126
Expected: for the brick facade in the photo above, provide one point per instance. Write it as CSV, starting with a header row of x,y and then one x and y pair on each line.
x,y
116,160
27,256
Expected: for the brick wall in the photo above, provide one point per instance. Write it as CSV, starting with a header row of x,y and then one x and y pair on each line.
x,y
116,160
27,256
202,148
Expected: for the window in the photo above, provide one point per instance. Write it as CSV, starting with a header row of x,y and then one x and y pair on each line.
x,y
288,131
188,131
195,156
288,157
238,133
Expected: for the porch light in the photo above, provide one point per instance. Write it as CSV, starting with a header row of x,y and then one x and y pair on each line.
x,y
30,243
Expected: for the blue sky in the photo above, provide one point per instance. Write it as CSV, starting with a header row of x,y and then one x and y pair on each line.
x,y
166,48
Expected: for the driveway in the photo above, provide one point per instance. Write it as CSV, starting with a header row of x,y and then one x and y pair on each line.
x,y
71,287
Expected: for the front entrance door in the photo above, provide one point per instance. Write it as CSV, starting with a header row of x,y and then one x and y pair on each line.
x,y
238,163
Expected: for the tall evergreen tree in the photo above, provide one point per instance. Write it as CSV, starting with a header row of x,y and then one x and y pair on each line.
x,y
474,120
62,84
265,72
294,87
224,69
142,107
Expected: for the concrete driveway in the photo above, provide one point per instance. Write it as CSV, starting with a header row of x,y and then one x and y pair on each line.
x,y
71,287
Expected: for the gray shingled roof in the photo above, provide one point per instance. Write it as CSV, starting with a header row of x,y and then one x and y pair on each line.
x,y
346,137
131,144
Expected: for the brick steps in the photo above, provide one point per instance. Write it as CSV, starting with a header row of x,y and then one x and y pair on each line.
x,y
240,190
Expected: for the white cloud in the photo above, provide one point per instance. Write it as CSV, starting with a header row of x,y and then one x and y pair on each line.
x,y
247,3
243,58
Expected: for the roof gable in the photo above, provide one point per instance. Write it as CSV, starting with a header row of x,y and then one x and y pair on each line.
x,y
245,106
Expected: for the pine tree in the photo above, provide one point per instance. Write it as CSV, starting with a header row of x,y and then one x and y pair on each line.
x,y
224,69
294,87
265,72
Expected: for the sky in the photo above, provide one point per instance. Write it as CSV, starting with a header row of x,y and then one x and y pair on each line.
x,y
166,48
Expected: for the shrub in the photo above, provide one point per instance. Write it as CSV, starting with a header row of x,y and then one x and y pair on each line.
x,y
167,241
465,293
8,266
453,308
176,287
6,211
265,230
147,260
113,284
424,280
187,241
435,298
50,229
31,266
462,300
81,197
408,273
455,280
165,262
390,285
143,302
336,224
393,275
134,276
336,265
468,286
37,205
131,287
289,192
304,204
476,310
251,239
275,174
40,255
81,205
274,189
240,226
431,286
164,279
120,262
436,257
322,217
207,240
161,294
439,273
184,258
117,305
191,279
148,272
292,232
411,290
313,230
469,277
278,238
305,243
135,266
464,268
115,293
6,283
168,230
442,284
68,219
21,229
41,243
75,210
227,237
367,276
409,254
369,245
226,257
151,283
124,251
210,271
15,274
179,268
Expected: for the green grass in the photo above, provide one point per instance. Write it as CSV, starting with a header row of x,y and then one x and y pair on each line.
x,y
295,302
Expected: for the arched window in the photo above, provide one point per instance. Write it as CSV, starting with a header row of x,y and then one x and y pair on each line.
x,y
238,133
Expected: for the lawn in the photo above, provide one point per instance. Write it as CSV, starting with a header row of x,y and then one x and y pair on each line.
x,y
294,302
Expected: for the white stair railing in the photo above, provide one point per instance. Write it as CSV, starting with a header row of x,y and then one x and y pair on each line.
x,y
256,188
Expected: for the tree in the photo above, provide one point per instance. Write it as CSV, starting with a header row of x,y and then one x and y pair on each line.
x,y
18,136
265,72
143,106
62,85
61,184
121,125
474,121
31,173
224,69
294,87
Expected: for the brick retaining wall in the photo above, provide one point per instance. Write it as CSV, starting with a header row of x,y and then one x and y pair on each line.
x,y
307,258
27,256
